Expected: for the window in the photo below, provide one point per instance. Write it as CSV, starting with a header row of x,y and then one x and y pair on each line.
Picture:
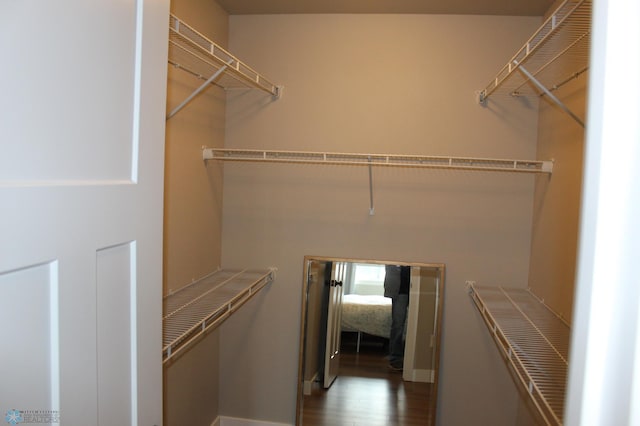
x,y
368,279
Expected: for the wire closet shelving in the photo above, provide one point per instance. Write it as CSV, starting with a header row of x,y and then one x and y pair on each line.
x,y
385,160
541,66
534,341
204,304
194,53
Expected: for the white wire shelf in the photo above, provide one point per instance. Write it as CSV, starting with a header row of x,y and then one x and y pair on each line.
x,y
534,341
204,304
196,54
556,53
387,160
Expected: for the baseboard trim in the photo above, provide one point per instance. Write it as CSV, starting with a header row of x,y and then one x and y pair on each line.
x,y
234,421
308,384
425,376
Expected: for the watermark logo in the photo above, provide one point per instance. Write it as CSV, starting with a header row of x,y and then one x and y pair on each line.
x,y
13,417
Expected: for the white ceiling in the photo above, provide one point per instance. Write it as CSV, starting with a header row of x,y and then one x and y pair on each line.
x,y
454,7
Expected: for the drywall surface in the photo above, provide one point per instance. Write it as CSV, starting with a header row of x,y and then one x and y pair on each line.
x,y
557,200
191,385
375,84
193,216
193,192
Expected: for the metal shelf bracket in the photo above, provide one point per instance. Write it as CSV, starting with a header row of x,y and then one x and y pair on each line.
x,y
551,96
561,43
371,209
194,53
198,90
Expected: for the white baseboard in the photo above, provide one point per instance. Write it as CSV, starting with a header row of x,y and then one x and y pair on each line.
x,y
308,384
234,421
216,422
424,376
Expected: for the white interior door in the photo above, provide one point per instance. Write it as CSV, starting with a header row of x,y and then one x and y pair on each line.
x,y
81,165
334,318
419,350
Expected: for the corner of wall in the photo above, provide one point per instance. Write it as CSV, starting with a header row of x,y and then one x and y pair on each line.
x,y
193,189
557,199
193,216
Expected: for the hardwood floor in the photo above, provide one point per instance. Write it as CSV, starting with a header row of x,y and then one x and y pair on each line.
x,y
368,393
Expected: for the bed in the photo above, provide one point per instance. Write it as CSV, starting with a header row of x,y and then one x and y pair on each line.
x,y
366,314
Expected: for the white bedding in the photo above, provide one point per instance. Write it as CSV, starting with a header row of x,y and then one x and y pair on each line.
x,y
369,314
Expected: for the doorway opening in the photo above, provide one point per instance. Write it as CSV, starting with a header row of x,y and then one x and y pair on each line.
x,y
349,338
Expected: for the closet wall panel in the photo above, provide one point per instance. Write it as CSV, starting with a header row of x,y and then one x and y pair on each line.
x,y
193,221
193,193
382,84
556,210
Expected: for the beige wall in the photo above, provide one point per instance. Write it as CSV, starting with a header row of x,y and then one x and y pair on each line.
x,y
193,192
193,206
191,385
556,213
383,84
557,200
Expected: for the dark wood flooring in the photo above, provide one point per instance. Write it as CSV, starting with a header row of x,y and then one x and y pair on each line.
x,y
368,393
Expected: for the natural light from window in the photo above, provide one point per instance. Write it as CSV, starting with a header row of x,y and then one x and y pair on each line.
x,y
368,279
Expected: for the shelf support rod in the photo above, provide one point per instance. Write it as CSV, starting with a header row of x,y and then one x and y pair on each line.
x,y
371,209
551,95
199,89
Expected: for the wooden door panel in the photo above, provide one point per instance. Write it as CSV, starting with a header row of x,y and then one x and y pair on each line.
x,y
81,179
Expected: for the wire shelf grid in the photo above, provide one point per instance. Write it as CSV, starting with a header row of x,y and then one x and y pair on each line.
x,y
388,160
196,54
534,341
562,43
206,303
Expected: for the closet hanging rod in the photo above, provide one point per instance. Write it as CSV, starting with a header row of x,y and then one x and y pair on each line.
x,y
573,76
386,160
192,51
